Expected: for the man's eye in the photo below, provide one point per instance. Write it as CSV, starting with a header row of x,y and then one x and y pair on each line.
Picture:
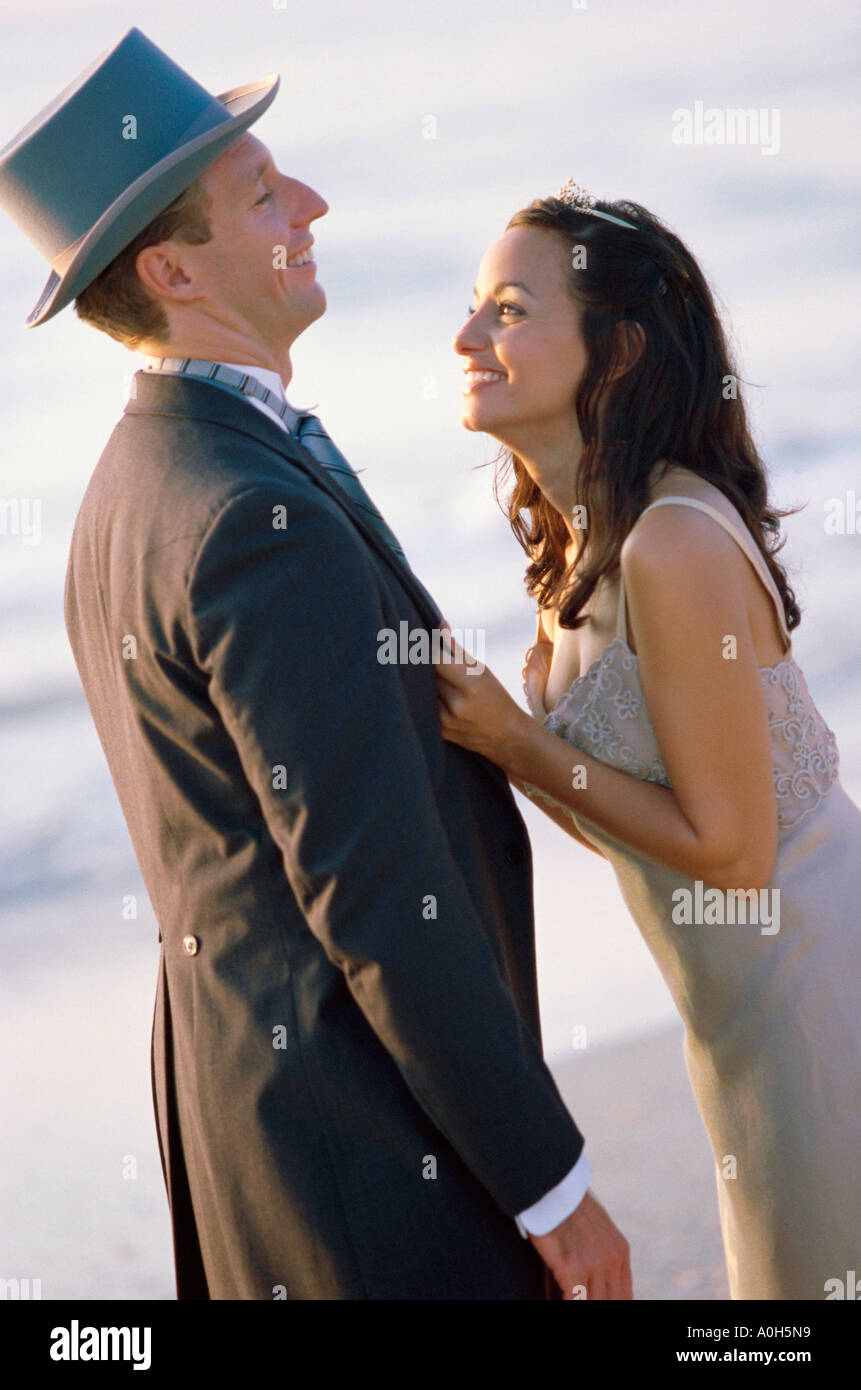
x,y
470,309
264,199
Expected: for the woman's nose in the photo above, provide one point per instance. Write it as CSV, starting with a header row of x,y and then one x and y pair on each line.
x,y
469,338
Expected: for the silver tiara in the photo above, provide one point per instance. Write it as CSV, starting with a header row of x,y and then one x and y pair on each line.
x,y
577,197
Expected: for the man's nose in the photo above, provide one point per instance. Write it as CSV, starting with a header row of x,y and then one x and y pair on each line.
x,y
307,204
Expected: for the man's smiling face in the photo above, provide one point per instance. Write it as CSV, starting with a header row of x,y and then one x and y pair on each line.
x,y
256,279
254,211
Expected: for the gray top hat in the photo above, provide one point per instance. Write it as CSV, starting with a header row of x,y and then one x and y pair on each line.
x,y
110,153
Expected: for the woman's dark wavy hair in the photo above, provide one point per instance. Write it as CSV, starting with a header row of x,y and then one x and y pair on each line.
x,y
678,402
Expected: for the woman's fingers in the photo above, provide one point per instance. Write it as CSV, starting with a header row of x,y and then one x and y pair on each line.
x,y
455,660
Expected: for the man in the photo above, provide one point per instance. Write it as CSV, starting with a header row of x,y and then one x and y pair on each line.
x,y
350,1095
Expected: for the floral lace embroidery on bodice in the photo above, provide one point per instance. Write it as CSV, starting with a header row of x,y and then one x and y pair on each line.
x,y
604,713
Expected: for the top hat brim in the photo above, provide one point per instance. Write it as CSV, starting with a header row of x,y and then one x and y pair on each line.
x,y
147,197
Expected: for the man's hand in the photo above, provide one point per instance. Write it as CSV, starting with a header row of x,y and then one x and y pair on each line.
x,y
586,1251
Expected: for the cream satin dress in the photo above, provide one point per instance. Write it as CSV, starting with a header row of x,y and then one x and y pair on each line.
x,y
772,1020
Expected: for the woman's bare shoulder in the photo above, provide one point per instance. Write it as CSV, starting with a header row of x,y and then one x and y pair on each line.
x,y
654,528
685,482
677,541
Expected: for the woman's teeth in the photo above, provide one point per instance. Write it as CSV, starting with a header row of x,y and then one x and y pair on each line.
x,y
474,379
302,259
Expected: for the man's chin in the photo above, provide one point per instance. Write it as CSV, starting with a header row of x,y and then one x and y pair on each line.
x,y
295,318
313,306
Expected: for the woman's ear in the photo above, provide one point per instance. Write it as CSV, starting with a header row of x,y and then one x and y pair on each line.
x,y
628,347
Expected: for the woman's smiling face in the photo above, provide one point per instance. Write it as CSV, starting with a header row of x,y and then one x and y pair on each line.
x,y
522,349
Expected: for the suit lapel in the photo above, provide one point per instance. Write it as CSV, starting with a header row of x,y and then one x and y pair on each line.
x,y
155,393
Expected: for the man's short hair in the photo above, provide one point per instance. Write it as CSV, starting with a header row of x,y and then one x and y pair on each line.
x,y
116,301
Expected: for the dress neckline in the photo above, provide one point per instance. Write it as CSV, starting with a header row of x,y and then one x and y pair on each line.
x,y
620,642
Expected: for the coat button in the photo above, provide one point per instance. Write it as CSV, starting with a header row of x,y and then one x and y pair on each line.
x,y
514,854
190,945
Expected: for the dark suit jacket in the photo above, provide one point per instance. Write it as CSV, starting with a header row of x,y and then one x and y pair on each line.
x,y
323,1043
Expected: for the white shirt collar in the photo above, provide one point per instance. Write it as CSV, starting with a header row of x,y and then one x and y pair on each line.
x,y
271,380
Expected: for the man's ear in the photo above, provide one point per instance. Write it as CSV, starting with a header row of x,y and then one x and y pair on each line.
x,y
629,346
161,272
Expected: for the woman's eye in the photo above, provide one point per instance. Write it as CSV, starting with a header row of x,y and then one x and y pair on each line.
x,y
265,198
501,308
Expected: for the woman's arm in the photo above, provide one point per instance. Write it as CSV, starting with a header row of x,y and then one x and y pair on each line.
x,y
558,816
718,821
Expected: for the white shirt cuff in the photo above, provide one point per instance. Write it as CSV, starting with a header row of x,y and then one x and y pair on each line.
x,y
559,1202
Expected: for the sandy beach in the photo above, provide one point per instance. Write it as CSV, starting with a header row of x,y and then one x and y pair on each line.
x,y
652,1167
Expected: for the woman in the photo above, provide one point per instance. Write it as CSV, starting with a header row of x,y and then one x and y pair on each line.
x,y
671,729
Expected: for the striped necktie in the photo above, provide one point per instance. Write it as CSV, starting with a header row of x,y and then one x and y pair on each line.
x,y
301,424
310,433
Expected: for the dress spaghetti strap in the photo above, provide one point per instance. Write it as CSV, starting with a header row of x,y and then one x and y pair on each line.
x,y
740,534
